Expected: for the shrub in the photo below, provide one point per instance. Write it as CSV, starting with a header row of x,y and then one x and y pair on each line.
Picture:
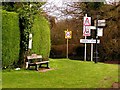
x,y
10,38
41,37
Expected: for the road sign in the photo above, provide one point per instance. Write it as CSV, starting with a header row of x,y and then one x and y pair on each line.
x,y
100,32
91,27
68,34
89,41
86,22
100,22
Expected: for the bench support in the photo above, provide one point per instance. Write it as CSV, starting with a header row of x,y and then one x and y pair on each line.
x,y
38,65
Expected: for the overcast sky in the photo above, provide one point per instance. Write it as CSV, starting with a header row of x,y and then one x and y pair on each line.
x,y
58,2
51,4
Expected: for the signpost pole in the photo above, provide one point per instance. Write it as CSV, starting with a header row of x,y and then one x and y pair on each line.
x,y
91,51
68,35
85,45
86,31
67,49
96,52
85,51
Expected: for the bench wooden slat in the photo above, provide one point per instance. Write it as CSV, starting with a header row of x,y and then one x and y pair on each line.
x,y
34,57
41,62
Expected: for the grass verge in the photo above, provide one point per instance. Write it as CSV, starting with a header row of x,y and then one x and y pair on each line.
x,y
65,74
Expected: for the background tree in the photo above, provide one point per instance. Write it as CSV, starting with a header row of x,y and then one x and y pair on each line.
x,y
77,10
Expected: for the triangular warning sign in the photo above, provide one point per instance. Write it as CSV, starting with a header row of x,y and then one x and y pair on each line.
x,y
87,21
86,32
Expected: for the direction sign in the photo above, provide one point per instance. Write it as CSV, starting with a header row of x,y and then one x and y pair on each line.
x,y
100,22
86,22
91,27
89,41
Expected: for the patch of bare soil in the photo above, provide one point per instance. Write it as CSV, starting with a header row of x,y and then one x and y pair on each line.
x,y
116,85
45,69
113,62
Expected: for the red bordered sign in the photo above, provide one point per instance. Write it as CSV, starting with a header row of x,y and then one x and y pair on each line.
x,y
68,34
86,22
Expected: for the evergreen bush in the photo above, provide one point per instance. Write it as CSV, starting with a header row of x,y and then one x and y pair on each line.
x,y
41,37
10,38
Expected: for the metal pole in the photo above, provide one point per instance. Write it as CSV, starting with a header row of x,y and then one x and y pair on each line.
x,y
85,51
96,52
67,49
91,51
85,45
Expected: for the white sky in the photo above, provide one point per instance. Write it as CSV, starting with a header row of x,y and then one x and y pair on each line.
x,y
59,3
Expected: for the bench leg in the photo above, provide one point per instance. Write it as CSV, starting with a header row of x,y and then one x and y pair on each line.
x,y
40,65
44,63
36,67
28,66
47,65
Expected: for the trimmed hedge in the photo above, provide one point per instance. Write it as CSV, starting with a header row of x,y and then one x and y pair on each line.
x,y
41,42
10,38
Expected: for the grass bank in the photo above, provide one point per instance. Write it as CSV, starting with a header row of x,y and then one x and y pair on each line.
x,y
65,74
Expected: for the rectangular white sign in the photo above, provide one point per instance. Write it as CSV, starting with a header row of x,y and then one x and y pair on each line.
x,y
100,32
91,27
89,41
101,22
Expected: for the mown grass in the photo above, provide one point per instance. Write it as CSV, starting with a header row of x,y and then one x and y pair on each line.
x,y
65,74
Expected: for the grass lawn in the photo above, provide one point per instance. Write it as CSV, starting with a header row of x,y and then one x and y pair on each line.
x,y
66,74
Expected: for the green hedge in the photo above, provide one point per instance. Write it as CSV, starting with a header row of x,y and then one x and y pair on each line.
x,y
41,37
10,38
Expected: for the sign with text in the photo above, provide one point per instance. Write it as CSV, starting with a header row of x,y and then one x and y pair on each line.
x,y
100,32
100,22
91,27
86,22
89,41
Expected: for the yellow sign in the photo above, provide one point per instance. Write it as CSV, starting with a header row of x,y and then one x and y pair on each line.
x,y
68,34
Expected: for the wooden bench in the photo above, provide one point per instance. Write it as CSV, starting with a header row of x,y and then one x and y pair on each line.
x,y
36,60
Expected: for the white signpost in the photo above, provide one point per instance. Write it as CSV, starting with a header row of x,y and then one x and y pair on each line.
x,y
68,35
91,41
86,31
